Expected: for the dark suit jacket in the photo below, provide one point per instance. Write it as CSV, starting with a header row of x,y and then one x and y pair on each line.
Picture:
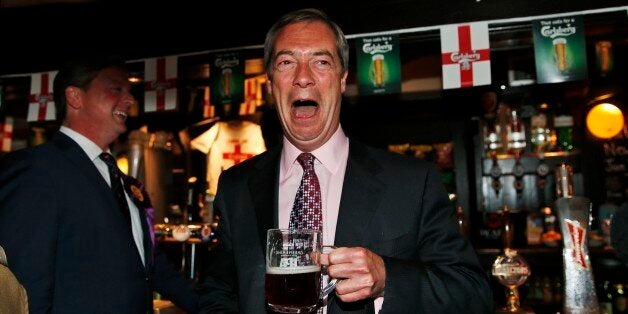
x,y
393,205
69,243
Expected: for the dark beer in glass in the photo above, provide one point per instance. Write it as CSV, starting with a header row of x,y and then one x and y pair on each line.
x,y
293,270
294,290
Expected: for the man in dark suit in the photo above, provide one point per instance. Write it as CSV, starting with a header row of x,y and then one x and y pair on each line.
x,y
74,247
398,250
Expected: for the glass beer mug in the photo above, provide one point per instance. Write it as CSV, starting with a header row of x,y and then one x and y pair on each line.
x,y
293,270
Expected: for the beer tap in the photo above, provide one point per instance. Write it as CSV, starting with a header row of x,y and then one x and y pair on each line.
x,y
510,268
574,218
516,145
540,138
492,144
495,173
518,171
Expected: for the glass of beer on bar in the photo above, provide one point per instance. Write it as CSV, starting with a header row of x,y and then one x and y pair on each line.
x,y
293,270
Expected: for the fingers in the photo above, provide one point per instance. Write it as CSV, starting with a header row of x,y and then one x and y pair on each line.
x,y
325,254
324,259
348,293
362,270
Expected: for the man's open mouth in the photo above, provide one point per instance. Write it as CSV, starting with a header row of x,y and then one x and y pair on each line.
x,y
121,114
304,108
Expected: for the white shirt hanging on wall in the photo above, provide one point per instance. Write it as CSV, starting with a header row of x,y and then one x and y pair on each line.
x,y
226,144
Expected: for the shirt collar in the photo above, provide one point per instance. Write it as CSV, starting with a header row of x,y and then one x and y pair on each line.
x,y
91,149
326,154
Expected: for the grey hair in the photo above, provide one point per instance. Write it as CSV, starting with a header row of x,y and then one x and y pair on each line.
x,y
301,15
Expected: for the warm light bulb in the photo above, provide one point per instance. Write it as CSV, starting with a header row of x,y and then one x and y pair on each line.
x,y
605,120
123,164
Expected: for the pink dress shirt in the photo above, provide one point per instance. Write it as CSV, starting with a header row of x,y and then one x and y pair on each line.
x,y
330,166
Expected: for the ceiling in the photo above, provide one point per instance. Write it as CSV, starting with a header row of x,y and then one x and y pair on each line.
x,y
39,34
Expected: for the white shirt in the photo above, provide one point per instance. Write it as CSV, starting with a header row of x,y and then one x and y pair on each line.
x,y
93,152
226,144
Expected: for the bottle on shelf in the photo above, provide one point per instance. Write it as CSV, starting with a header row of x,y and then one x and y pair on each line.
x,y
558,290
188,213
516,134
548,291
564,132
605,297
619,299
508,228
551,237
564,180
534,228
540,130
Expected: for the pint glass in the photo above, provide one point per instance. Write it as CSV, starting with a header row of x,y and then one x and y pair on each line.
x,y
560,53
226,82
293,270
378,70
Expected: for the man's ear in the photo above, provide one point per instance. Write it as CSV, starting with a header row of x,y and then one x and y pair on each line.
x,y
269,87
73,96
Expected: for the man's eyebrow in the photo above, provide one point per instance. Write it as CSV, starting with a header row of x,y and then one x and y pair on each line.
x,y
284,52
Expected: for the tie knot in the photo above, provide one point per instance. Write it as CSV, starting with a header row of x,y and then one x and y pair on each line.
x,y
306,160
108,159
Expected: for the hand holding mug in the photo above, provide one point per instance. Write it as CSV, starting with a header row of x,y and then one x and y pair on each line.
x,y
363,273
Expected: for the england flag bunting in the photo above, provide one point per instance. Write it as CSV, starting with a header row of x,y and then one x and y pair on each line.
x,y
6,134
41,106
465,55
160,87
209,110
252,96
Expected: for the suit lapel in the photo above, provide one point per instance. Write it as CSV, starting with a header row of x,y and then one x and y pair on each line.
x,y
361,195
73,152
140,198
148,244
263,194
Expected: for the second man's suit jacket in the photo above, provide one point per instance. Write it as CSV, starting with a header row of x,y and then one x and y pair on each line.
x,y
67,241
393,205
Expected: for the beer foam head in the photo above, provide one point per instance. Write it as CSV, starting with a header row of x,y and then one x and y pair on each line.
x,y
292,270
559,40
378,57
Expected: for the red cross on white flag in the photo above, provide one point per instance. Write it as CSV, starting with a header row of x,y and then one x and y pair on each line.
x,y
6,134
160,87
237,155
465,55
41,106
209,110
252,96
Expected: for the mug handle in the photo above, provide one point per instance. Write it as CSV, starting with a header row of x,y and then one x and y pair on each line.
x,y
331,285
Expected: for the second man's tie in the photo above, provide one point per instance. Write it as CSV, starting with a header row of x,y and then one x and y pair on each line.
x,y
116,185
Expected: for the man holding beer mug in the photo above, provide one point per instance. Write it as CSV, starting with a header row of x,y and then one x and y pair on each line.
x,y
388,215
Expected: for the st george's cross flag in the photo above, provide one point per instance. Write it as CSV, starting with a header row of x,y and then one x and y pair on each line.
x,y
209,110
160,84
6,134
252,96
41,106
465,55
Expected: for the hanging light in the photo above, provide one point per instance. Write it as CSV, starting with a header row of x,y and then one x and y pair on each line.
x,y
605,120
